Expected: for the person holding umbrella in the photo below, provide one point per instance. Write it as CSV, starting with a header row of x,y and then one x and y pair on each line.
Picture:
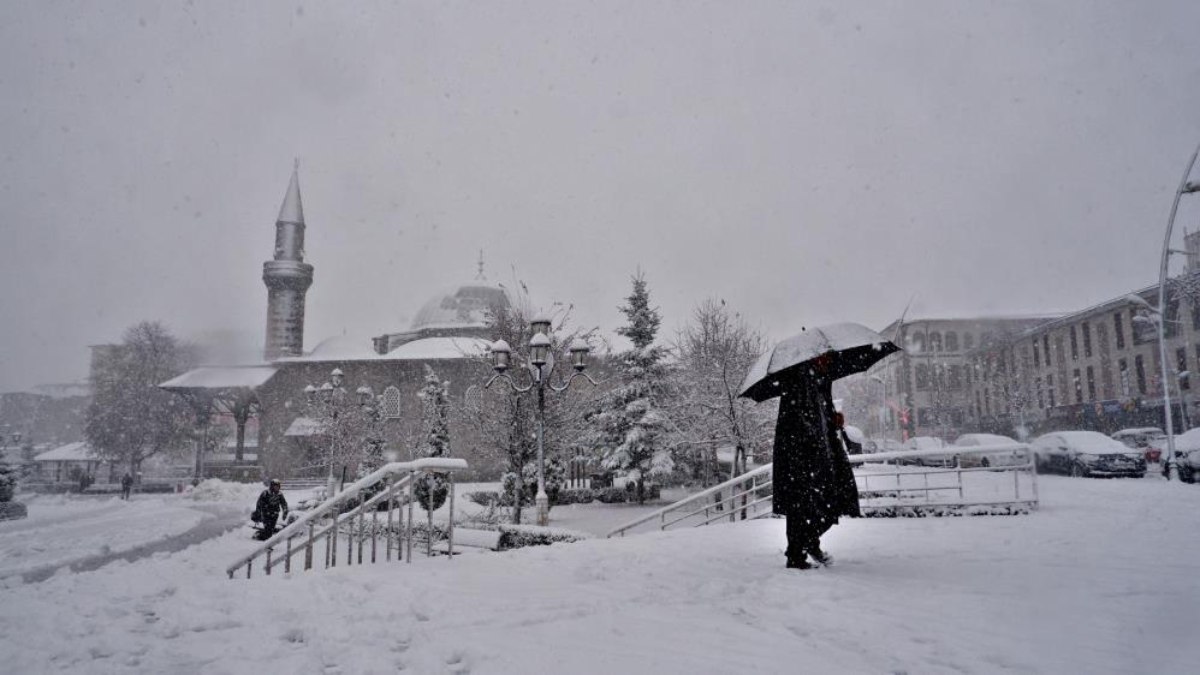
x,y
812,480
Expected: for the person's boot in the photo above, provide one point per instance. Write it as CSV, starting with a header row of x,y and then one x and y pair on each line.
x,y
821,557
799,563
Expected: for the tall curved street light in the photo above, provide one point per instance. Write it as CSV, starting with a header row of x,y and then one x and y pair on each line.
x,y
540,368
1185,187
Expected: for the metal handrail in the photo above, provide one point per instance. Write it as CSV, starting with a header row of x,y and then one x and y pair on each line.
x,y
389,493
427,464
766,470
749,475
938,452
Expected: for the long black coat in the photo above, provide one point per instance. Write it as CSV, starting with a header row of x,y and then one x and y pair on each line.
x,y
811,477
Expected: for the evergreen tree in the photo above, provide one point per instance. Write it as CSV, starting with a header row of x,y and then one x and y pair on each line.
x,y
431,490
629,423
643,320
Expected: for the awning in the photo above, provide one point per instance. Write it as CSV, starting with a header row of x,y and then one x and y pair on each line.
x,y
221,377
304,426
79,451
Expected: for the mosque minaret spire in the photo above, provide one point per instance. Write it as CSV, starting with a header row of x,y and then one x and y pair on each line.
x,y
287,277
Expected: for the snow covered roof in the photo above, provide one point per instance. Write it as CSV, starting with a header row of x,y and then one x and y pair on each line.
x,y
303,426
221,377
343,349
78,451
463,307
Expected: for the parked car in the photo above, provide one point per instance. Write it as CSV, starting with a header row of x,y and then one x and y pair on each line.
x,y
1187,455
928,443
1150,440
1086,453
987,459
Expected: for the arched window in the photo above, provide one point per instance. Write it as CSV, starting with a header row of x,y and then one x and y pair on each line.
x,y
951,341
935,342
916,343
391,402
968,341
473,398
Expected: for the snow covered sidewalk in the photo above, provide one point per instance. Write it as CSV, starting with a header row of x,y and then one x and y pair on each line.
x,y
1101,580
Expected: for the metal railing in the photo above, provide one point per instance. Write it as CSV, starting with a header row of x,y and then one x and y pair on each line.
x,y
332,519
954,489
742,497
749,495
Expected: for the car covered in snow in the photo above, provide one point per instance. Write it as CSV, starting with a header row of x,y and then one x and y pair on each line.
x,y
928,443
1187,455
1149,440
987,459
1086,453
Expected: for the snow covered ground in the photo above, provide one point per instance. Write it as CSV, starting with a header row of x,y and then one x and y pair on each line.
x,y
1101,580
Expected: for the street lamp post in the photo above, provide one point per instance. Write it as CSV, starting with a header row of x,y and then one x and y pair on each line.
x,y
327,400
540,367
1185,187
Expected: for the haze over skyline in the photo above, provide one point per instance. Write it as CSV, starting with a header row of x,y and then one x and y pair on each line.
x,y
807,163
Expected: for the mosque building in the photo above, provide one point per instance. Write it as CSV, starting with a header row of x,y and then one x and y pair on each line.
x,y
448,335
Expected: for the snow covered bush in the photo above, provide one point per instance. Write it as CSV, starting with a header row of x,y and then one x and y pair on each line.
x,y
575,496
483,497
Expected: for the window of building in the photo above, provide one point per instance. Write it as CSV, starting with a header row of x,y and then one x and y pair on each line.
x,y
987,402
1139,367
916,343
1046,348
1037,385
951,341
1074,345
1087,341
1119,329
968,341
1037,355
1123,368
1196,315
473,398
1091,383
1078,386
1143,331
1181,366
1171,324
935,342
391,402
1050,390
955,379
923,380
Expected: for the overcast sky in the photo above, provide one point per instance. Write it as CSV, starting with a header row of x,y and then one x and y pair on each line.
x,y
807,163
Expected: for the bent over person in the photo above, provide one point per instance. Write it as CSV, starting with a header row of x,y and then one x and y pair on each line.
x,y
271,504
812,480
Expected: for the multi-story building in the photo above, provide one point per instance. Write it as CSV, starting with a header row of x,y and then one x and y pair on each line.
x,y
1095,369
926,390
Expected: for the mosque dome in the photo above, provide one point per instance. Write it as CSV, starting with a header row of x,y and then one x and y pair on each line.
x,y
463,307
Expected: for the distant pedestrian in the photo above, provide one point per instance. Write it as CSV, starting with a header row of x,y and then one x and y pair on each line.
x,y
126,485
271,504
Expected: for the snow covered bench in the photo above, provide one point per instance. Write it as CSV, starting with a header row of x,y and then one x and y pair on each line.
x,y
468,538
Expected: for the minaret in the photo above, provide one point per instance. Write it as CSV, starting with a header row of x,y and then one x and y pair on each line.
x,y
287,278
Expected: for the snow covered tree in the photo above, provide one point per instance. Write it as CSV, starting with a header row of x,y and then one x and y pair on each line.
x,y
349,430
506,420
130,417
715,349
8,482
629,423
431,489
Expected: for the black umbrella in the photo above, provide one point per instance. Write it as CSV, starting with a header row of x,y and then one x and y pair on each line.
x,y
849,347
